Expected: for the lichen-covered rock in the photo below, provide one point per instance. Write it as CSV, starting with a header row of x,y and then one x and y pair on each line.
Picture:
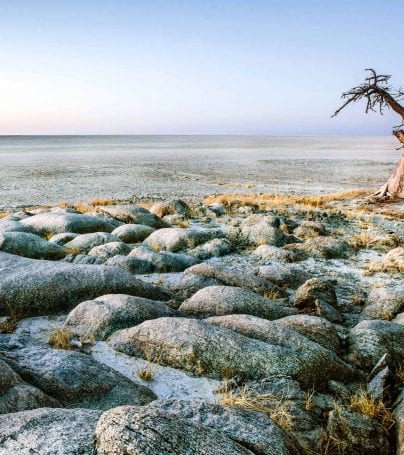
x,y
317,364
315,329
309,229
62,238
130,264
178,239
164,261
175,206
263,229
232,276
30,246
83,259
40,287
137,431
318,295
56,223
283,274
9,224
75,379
357,433
85,242
371,339
222,300
16,395
398,412
133,214
110,249
100,317
133,233
393,261
274,253
213,248
327,247
49,431
384,302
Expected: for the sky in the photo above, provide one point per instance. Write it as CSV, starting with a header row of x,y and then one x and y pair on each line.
x,y
194,67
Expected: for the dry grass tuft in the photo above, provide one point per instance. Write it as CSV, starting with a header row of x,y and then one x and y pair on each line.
x,y
308,400
61,338
267,404
272,294
361,241
9,325
146,373
368,405
400,376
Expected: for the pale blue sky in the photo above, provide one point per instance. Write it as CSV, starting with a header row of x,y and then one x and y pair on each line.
x,y
193,67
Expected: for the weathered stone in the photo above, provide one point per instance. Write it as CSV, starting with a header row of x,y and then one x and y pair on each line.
x,y
222,300
260,229
283,275
327,247
62,238
100,317
133,214
213,248
133,233
164,261
393,261
56,223
110,249
177,239
137,431
13,225
30,246
85,242
130,264
175,206
49,431
75,379
83,259
274,253
384,302
309,229
398,412
40,287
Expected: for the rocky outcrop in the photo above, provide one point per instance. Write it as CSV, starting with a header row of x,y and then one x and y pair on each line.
x,y
30,246
133,214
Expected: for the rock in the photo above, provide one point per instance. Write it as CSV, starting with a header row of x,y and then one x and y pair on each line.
x,y
176,206
56,223
231,276
63,238
384,302
379,385
75,379
283,275
165,261
99,318
357,433
110,249
133,233
263,229
318,295
222,300
85,242
317,364
83,259
398,413
274,253
203,349
213,248
30,245
16,395
130,264
217,208
248,428
393,261
40,287
399,319
310,229
315,329
137,431
177,239
371,339
13,225
49,431
133,214
327,247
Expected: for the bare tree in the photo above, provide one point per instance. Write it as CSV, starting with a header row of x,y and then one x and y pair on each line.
x,y
379,95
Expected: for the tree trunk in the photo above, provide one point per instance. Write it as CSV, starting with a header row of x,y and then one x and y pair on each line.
x,y
394,188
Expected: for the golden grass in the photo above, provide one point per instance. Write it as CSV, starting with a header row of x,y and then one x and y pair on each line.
x,y
272,294
308,400
368,405
377,266
182,223
61,338
9,325
267,404
361,241
400,376
146,373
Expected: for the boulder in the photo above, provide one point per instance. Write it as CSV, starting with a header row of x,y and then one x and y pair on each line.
x,y
110,249
49,431
164,261
30,246
177,239
274,253
133,214
75,379
62,238
283,274
13,225
130,264
393,261
56,223
16,395
326,247
263,229
315,329
40,287
222,300
97,319
384,302
133,233
83,259
248,428
85,242
203,349
316,363
138,431
309,229
398,413
371,339
175,206
213,248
